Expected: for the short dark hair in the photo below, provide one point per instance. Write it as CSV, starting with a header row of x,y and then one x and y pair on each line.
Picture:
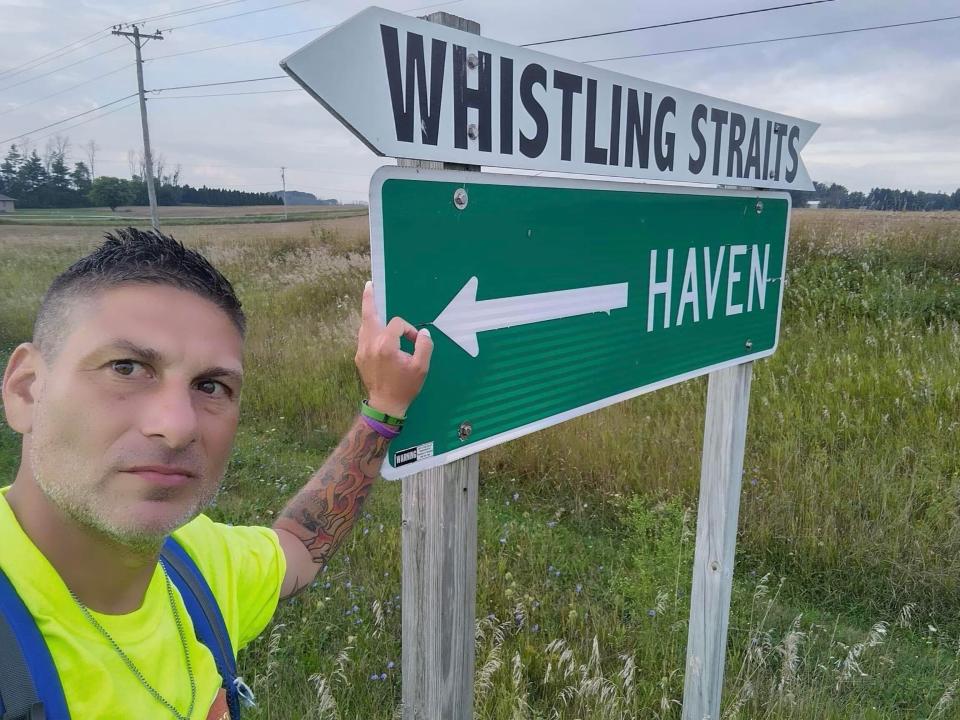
x,y
131,256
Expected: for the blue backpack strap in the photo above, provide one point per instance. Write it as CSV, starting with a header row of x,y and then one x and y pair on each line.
x,y
30,686
207,620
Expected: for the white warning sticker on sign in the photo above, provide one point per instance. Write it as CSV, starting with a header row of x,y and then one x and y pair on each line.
x,y
413,454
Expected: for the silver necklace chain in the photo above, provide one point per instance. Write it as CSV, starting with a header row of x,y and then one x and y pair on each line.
x,y
133,668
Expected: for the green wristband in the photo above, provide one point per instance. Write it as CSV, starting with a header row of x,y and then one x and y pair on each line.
x,y
375,414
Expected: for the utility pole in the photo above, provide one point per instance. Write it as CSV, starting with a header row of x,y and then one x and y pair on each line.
x,y
283,178
138,41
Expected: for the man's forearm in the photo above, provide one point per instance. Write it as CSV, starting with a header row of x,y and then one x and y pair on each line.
x,y
322,514
314,524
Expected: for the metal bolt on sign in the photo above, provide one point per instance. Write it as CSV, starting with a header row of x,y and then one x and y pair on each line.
x,y
472,61
460,198
472,131
748,344
759,206
466,429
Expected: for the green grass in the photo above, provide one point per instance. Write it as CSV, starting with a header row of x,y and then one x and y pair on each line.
x,y
847,584
553,570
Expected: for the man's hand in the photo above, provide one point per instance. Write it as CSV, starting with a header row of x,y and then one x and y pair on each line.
x,y
392,377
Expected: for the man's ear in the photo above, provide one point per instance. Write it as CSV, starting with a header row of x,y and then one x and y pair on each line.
x,y
21,386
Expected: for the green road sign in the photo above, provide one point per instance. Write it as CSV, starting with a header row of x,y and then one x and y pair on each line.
x,y
549,298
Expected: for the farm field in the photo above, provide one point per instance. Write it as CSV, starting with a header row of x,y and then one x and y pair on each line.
x,y
180,215
846,600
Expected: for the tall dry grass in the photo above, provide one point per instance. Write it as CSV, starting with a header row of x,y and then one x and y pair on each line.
x,y
851,493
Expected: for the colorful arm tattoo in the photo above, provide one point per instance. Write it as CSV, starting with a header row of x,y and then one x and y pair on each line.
x,y
322,514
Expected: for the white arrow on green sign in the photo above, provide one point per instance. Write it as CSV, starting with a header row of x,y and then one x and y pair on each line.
x,y
466,316
550,298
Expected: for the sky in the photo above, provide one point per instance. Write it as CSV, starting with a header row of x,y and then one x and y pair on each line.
x,y
888,101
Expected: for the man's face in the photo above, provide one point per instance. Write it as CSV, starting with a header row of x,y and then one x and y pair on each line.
x,y
142,379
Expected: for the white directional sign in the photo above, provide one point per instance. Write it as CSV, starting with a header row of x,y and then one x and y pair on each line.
x,y
414,89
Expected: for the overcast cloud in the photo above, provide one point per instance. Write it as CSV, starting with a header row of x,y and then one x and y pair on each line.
x,y
888,100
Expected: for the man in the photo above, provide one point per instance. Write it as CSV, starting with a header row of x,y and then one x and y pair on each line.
x,y
128,400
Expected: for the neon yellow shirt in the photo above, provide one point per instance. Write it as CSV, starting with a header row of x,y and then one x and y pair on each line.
x,y
244,567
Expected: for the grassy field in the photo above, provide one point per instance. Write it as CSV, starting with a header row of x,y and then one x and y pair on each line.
x,y
846,598
180,215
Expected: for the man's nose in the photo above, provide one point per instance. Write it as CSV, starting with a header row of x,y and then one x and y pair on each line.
x,y
170,414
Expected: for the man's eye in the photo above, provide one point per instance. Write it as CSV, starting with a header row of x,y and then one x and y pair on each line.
x,y
212,385
124,367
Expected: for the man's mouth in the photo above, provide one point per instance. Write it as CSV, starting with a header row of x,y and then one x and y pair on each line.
x,y
163,476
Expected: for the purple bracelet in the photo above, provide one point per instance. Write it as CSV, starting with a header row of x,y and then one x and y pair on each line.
x,y
387,431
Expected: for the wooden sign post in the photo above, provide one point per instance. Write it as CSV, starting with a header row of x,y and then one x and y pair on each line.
x,y
725,430
439,555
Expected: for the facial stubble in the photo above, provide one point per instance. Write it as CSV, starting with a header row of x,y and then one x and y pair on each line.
x,y
90,505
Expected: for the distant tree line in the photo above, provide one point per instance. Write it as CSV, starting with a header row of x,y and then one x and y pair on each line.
x,y
837,196
48,181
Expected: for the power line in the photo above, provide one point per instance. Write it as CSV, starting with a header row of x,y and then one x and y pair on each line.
x,y
61,92
71,65
90,39
235,44
56,70
242,42
283,35
211,95
186,11
677,22
624,57
610,59
228,17
97,37
52,55
225,82
666,52
431,5
68,119
88,120
773,40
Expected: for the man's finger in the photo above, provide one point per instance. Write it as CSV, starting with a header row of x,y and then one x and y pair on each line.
x,y
370,324
398,327
423,350
368,306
